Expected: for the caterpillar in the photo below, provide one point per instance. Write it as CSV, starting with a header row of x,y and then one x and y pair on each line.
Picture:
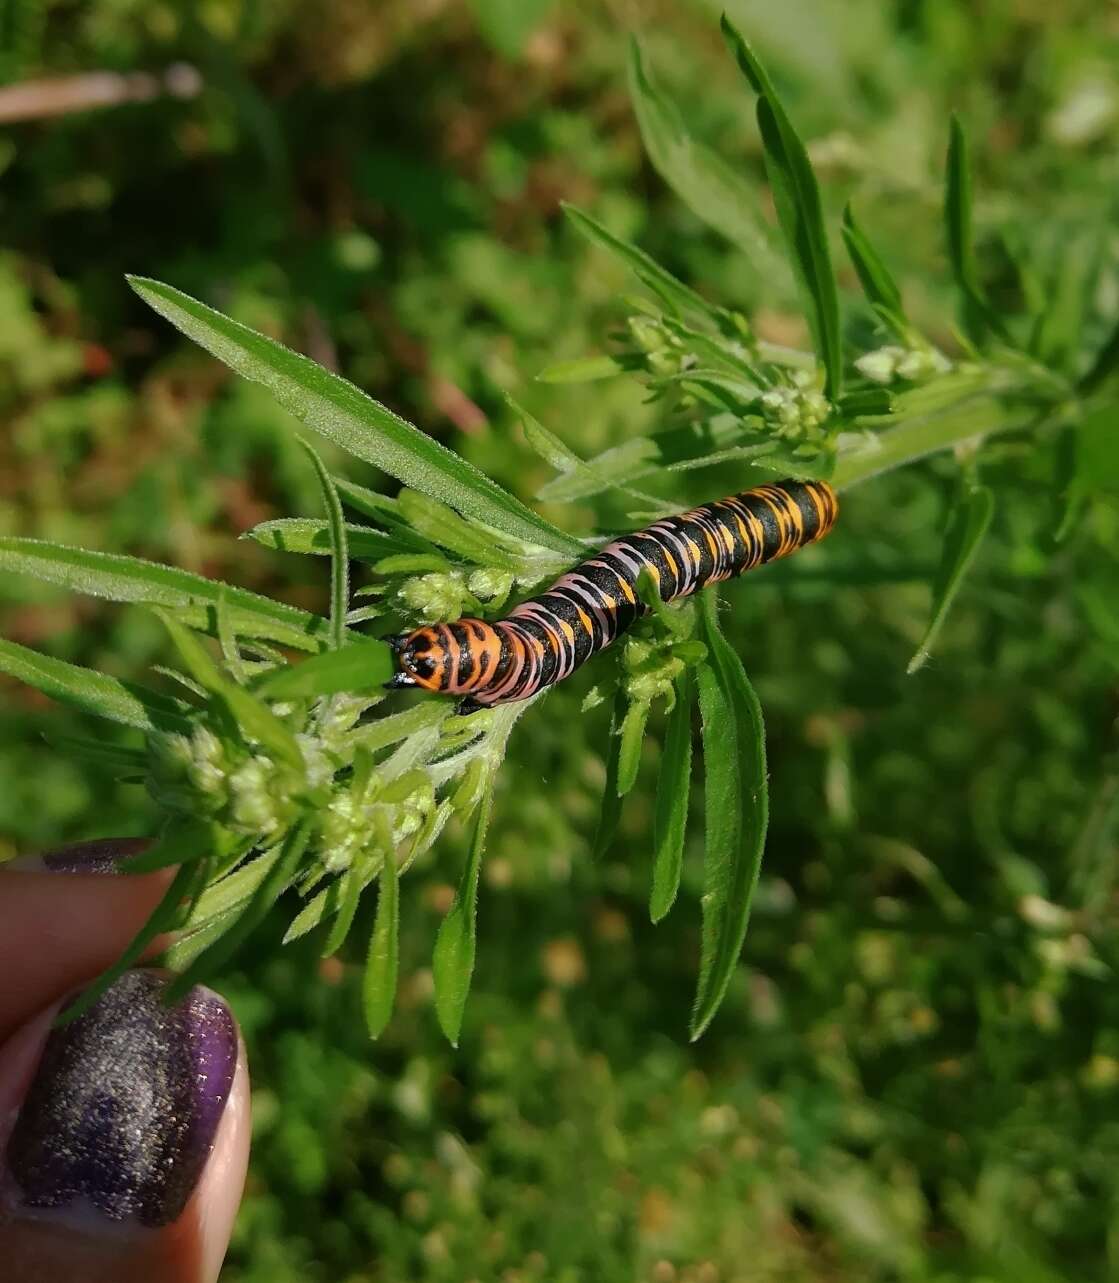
x,y
544,640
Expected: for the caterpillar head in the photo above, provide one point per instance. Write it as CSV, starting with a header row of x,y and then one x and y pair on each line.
x,y
420,655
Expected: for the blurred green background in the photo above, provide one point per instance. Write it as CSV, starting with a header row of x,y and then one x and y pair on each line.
x,y
916,1073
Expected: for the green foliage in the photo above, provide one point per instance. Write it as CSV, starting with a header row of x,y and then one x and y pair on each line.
x,y
914,1075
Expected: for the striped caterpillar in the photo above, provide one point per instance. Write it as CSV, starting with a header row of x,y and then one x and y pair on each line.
x,y
543,640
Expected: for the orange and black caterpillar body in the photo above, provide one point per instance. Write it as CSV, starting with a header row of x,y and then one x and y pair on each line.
x,y
543,640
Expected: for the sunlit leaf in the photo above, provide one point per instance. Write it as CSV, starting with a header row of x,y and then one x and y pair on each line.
x,y
736,811
674,294
797,197
342,413
92,692
358,666
191,598
256,719
712,189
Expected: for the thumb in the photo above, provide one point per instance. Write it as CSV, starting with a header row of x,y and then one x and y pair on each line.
x,y
125,1139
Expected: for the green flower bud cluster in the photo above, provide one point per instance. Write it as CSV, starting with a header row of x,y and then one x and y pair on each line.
x,y
361,817
663,351
436,597
650,669
891,363
796,411
202,774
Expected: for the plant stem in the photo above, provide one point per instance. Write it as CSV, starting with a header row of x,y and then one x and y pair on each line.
x,y
913,439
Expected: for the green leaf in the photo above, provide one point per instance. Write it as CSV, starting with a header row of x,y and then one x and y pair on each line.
x,y
675,295
444,527
797,197
671,806
379,981
165,917
256,719
341,412
310,535
583,369
360,666
966,528
629,745
221,898
611,799
736,811
350,886
644,456
192,598
180,842
1104,365
878,284
453,959
117,757
92,692
711,188
249,914
976,315
339,551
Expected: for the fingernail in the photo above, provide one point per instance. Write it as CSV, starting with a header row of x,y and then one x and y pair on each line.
x,y
84,857
125,1104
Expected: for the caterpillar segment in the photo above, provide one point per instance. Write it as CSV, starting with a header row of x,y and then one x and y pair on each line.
x,y
543,640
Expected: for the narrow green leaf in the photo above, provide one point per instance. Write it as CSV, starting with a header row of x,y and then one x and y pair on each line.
x,y
866,402
1104,365
311,535
443,526
246,916
583,369
966,528
92,692
711,188
117,757
350,886
379,981
228,642
797,197
192,598
341,412
255,718
180,842
629,746
453,959
736,811
360,666
558,455
644,456
164,917
339,551
611,799
674,294
878,284
976,315
671,807
220,898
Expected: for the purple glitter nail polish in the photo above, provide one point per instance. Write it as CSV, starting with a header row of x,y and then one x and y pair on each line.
x,y
92,857
125,1104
